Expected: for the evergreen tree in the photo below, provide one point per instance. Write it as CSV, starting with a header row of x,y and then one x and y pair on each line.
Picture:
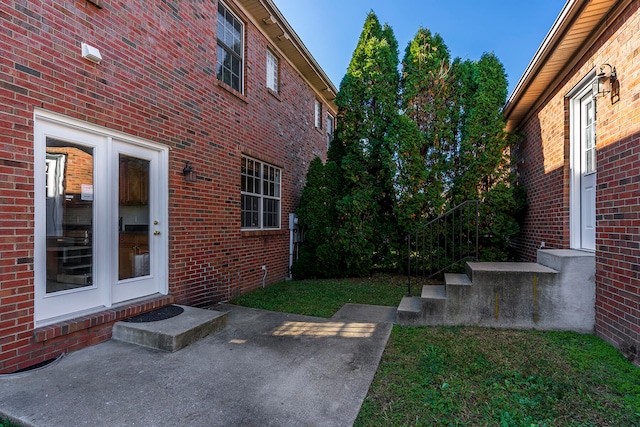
x,y
481,166
417,189
364,148
483,154
322,254
428,100
406,149
458,109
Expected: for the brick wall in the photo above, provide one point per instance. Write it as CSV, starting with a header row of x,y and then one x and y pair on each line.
x,y
156,81
543,167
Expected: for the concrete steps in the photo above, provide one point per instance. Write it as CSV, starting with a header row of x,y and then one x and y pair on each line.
x,y
173,333
556,293
434,292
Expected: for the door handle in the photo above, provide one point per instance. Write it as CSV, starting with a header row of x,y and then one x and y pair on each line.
x,y
156,233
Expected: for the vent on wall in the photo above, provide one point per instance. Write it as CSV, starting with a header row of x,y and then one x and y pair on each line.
x,y
91,53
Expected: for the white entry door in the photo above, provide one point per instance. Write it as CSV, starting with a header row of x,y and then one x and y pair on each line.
x,y
101,215
588,170
140,223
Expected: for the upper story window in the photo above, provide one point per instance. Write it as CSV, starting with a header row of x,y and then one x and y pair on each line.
x,y
260,194
272,71
230,48
330,128
318,117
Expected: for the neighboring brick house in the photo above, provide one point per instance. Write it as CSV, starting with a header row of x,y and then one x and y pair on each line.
x,y
579,158
163,173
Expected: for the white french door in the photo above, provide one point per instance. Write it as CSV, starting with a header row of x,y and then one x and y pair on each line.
x,y
90,226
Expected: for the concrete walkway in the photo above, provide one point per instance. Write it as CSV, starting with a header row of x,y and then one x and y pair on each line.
x,y
262,369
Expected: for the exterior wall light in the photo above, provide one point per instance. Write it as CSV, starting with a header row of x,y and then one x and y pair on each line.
x,y
189,173
606,81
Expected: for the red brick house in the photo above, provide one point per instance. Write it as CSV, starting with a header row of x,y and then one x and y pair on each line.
x,y
151,153
578,108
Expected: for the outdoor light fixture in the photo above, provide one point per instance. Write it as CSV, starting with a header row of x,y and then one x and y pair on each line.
x,y
189,173
606,81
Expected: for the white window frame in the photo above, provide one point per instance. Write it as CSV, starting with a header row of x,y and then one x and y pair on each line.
x,y
272,71
253,186
331,123
318,114
222,45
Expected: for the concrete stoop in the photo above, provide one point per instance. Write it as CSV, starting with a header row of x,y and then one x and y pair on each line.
x,y
558,292
174,333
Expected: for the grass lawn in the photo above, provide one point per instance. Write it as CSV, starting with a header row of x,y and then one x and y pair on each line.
x,y
468,376
322,298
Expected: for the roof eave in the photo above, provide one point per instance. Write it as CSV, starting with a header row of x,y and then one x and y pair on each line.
x,y
273,24
563,46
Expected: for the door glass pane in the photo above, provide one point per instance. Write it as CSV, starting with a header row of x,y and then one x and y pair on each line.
x,y
589,136
69,210
133,218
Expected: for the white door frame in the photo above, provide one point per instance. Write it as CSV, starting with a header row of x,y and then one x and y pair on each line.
x,y
576,96
135,287
57,306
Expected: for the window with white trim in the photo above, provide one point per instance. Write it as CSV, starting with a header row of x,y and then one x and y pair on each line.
x,y
260,194
318,117
229,67
272,71
330,128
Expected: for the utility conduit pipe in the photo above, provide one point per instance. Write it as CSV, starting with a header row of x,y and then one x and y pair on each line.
x,y
264,277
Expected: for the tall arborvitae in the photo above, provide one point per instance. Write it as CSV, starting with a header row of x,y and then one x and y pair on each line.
x,y
364,148
428,99
483,154
387,173
418,191
322,254
482,165
458,109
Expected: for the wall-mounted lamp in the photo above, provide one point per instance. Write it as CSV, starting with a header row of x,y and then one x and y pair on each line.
x,y
606,81
189,173
91,53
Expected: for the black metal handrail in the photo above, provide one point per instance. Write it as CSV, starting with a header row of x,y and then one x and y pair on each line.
x,y
443,242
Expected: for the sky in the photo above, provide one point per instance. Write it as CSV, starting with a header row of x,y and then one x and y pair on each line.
x,y
511,29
